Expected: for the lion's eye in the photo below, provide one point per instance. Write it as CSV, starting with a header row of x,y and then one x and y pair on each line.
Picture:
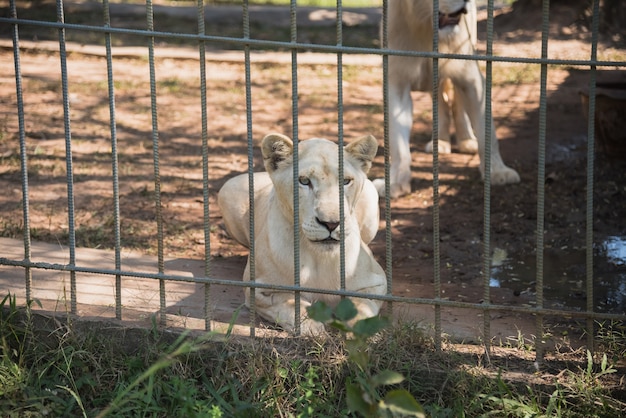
x,y
347,181
304,181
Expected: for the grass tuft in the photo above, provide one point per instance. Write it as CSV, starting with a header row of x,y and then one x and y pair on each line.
x,y
60,366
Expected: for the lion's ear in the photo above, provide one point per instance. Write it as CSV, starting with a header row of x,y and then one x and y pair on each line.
x,y
363,150
275,149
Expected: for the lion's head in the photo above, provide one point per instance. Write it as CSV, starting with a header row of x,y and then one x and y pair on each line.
x,y
318,183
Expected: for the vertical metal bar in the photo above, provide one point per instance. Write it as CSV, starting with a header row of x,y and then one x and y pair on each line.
x,y
590,168
487,183
68,156
155,153
205,168
250,137
296,167
342,245
541,176
114,162
435,139
28,276
388,242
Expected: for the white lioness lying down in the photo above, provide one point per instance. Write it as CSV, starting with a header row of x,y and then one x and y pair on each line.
x,y
410,28
320,230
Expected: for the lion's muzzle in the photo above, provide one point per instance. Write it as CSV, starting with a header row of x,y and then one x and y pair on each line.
x,y
331,226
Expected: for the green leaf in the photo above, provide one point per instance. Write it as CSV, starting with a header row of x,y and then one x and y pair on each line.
x,y
76,398
345,310
359,357
320,312
370,326
356,345
282,372
356,399
387,377
402,402
341,326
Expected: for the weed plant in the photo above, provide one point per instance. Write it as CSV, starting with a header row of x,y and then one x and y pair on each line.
x,y
58,366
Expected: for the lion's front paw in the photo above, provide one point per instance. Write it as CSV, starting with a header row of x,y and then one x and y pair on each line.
x,y
396,189
444,147
468,146
504,175
311,328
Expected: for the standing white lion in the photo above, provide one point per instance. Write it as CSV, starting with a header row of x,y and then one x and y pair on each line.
x,y
410,28
320,228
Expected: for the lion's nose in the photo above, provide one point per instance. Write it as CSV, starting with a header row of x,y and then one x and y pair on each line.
x,y
331,226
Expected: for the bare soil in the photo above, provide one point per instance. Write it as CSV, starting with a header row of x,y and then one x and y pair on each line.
x,y
516,95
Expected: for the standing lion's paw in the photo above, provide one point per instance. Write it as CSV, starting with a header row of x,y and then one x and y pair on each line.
x,y
468,146
396,190
504,175
444,147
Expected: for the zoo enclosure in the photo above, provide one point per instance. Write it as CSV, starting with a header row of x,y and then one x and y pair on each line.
x,y
248,44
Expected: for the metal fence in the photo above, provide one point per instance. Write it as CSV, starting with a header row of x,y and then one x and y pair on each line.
x,y
247,43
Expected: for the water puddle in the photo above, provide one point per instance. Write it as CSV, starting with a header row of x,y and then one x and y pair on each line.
x,y
565,276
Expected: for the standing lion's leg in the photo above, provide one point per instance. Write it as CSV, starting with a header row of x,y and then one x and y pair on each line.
x,y
400,123
444,101
472,92
465,138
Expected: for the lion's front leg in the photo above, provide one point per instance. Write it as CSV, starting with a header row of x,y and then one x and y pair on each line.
x,y
366,308
445,100
279,307
400,123
473,96
466,140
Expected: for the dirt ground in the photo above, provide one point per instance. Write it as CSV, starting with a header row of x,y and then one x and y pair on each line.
x,y
516,112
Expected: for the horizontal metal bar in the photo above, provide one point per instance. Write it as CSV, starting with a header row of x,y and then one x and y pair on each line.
x,y
312,47
256,285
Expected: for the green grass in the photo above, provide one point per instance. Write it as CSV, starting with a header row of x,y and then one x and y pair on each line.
x,y
59,366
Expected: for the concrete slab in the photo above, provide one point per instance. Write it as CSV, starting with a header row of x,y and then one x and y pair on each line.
x,y
185,301
140,297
